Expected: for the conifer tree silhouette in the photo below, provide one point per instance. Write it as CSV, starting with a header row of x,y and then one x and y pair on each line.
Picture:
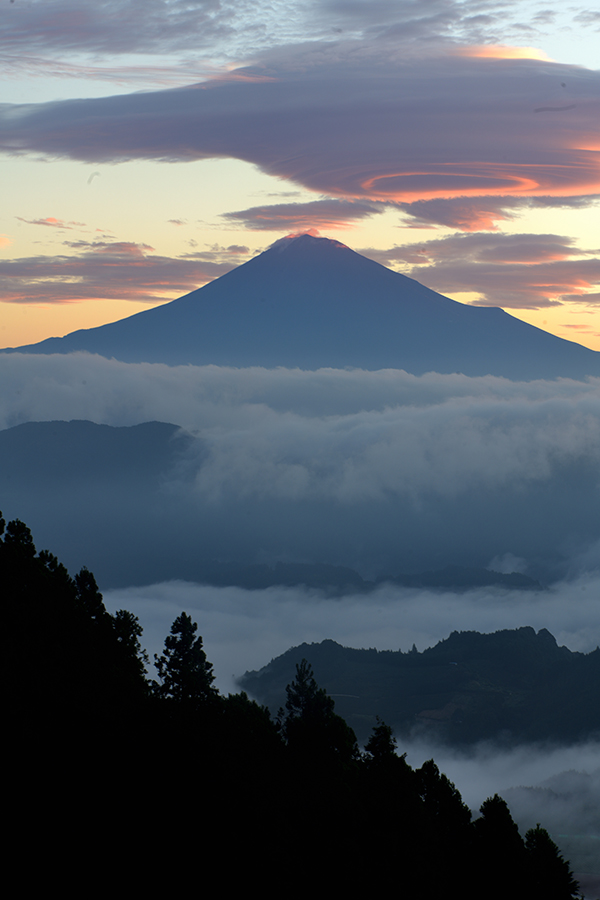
x,y
186,675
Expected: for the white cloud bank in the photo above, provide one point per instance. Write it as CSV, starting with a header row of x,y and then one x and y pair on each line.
x,y
243,630
348,435
382,471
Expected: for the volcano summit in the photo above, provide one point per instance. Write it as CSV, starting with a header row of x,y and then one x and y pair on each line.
x,y
310,303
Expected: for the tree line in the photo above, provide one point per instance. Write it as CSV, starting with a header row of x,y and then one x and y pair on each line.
x,y
165,779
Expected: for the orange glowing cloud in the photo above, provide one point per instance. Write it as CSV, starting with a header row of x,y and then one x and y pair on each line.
x,y
502,51
473,179
52,222
473,214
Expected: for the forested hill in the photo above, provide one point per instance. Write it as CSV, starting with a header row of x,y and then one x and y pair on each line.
x,y
164,784
469,687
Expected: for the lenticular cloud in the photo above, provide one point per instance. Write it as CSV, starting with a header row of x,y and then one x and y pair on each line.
x,y
352,121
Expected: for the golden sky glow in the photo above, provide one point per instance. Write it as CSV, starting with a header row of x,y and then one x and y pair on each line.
x,y
110,208
500,51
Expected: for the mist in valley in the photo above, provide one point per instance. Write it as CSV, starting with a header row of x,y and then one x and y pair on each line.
x,y
382,472
552,783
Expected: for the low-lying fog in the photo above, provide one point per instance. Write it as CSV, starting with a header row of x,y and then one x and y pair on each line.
x,y
382,471
245,629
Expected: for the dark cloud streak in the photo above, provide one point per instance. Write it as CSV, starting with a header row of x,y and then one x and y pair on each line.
x,y
121,270
509,270
115,27
329,213
482,213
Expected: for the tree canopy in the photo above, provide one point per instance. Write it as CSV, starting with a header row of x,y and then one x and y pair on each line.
x,y
185,674
311,727
90,734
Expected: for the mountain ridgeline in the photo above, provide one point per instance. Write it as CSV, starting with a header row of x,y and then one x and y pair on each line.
x,y
515,686
119,755
309,303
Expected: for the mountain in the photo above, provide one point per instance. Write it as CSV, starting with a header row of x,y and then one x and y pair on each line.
x,y
464,578
51,455
94,494
311,302
513,685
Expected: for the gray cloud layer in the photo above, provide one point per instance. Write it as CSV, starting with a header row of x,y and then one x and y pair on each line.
x,y
381,471
243,630
516,271
159,26
80,385
109,269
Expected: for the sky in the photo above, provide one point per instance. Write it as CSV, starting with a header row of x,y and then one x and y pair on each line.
x,y
148,148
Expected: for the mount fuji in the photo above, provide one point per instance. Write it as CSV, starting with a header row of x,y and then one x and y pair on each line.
x,y
309,303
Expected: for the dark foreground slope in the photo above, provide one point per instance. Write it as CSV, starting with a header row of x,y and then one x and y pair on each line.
x,y
517,686
312,302
165,784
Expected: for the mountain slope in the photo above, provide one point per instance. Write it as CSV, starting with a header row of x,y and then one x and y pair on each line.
x,y
312,302
513,684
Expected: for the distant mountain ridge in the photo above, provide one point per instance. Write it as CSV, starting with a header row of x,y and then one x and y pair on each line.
x,y
465,578
310,303
514,685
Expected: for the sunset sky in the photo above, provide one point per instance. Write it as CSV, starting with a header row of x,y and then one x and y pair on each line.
x,y
148,146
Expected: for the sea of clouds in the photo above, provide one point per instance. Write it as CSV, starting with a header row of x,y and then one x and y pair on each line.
x,y
382,471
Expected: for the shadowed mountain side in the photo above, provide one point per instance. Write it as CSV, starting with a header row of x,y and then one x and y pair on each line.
x,y
51,453
517,686
312,302
92,488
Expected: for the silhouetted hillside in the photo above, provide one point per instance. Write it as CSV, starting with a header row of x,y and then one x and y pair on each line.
x,y
514,685
93,746
465,578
